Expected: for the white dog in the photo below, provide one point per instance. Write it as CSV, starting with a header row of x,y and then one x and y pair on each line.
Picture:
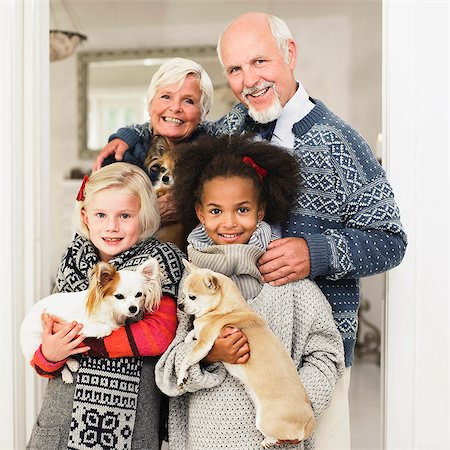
x,y
112,297
283,410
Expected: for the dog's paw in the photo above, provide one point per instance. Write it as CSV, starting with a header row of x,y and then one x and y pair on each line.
x,y
97,331
72,364
270,442
181,384
66,376
190,337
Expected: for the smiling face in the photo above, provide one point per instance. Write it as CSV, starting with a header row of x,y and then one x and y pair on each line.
x,y
230,210
256,69
175,111
112,218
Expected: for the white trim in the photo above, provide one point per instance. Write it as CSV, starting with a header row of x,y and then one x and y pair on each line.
x,y
416,128
24,114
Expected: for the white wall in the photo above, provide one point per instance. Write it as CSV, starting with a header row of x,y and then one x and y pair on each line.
x,y
417,127
24,186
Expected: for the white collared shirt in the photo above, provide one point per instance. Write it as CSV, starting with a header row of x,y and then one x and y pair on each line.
x,y
298,106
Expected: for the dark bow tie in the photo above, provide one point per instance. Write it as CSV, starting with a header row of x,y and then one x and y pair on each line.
x,y
265,130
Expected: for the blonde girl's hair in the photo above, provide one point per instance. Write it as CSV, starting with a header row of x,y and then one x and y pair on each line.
x,y
128,178
175,70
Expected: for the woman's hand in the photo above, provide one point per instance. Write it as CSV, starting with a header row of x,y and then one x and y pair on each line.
x,y
116,147
231,347
166,206
64,343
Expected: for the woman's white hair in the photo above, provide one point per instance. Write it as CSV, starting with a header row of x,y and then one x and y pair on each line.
x,y
131,179
280,32
176,70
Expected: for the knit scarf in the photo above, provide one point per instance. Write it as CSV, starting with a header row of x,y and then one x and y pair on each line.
x,y
237,261
105,399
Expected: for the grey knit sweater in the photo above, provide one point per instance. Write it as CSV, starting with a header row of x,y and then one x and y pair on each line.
x,y
215,411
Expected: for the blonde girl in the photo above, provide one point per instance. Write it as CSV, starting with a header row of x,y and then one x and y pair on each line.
x,y
114,402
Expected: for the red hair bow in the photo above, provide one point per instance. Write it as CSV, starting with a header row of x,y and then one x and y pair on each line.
x,y
260,171
80,195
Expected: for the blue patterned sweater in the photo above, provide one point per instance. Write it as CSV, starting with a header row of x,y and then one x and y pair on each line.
x,y
345,208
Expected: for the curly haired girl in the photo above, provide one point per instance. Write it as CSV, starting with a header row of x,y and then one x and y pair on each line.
x,y
230,184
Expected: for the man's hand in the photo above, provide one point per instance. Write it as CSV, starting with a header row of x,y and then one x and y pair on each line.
x,y
116,147
285,260
66,342
231,347
166,207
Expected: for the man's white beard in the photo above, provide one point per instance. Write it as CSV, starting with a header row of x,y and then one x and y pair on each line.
x,y
269,114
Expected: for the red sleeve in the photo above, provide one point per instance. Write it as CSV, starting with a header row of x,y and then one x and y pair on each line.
x,y
46,368
148,337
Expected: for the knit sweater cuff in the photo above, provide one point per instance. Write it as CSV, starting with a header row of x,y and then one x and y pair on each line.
x,y
49,367
128,135
319,253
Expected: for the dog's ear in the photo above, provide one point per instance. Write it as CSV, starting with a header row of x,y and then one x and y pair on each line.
x,y
160,145
106,275
189,266
102,274
211,282
101,278
149,269
152,274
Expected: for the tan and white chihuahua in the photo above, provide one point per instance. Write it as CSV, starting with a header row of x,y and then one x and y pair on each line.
x,y
283,410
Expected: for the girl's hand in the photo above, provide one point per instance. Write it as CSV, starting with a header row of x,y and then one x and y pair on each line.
x,y
57,322
231,347
64,343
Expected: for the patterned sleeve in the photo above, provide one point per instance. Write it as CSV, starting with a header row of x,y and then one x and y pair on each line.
x,y
365,235
130,134
231,123
148,337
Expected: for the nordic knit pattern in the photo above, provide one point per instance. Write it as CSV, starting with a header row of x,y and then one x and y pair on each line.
x,y
101,378
215,411
345,210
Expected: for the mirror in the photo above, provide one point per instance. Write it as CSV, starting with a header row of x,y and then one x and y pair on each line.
x,y
112,90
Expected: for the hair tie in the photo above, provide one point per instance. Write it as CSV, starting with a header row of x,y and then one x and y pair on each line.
x,y
261,172
80,195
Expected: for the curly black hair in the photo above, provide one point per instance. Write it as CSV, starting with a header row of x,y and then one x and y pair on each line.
x,y
210,157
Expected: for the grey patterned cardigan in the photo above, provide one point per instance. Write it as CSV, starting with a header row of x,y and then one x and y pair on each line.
x,y
216,412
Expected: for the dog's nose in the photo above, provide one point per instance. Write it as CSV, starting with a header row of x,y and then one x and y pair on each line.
x,y
165,179
132,309
181,306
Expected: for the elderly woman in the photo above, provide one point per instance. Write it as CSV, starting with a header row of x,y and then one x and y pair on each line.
x,y
179,97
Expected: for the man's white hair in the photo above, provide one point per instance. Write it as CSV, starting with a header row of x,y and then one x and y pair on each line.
x,y
280,32
176,70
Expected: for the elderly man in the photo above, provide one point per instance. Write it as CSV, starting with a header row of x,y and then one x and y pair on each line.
x,y
345,224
